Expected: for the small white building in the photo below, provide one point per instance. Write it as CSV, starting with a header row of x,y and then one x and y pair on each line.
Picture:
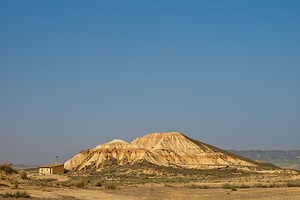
x,y
52,169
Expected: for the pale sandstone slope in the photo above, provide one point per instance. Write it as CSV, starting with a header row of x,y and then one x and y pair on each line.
x,y
114,152
182,151
164,149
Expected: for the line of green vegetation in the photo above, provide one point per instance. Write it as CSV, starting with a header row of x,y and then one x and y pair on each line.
x,y
294,183
17,194
232,186
194,186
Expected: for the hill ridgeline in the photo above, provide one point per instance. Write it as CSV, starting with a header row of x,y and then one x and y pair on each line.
x,y
170,149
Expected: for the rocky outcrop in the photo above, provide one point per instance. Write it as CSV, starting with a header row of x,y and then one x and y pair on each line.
x,y
114,152
163,149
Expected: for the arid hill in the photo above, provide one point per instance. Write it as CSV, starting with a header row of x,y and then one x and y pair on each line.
x,y
170,149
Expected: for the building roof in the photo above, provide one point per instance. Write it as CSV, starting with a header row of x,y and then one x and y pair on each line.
x,y
51,165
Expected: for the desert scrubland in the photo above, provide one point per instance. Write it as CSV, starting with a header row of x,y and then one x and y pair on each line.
x,y
151,182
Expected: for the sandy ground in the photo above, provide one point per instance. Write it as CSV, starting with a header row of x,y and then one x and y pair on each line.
x,y
158,192
151,191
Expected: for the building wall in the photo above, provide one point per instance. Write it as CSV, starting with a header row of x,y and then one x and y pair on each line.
x,y
45,171
59,169
52,170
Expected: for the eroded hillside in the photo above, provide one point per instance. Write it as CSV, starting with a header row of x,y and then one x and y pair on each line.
x,y
163,149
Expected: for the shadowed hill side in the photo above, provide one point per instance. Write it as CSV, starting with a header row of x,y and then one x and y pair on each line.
x,y
231,154
163,149
192,153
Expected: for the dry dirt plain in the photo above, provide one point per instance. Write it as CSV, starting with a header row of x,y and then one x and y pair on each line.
x,y
47,187
158,192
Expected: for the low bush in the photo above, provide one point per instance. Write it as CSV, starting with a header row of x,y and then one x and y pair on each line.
x,y
228,186
7,169
79,184
23,175
194,186
98,184
243,186
16,184
258,185
167,185
48,179
16,195
293,183
233,186
110,186
270,185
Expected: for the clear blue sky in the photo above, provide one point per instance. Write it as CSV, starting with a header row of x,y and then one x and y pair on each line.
x,y
75,74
